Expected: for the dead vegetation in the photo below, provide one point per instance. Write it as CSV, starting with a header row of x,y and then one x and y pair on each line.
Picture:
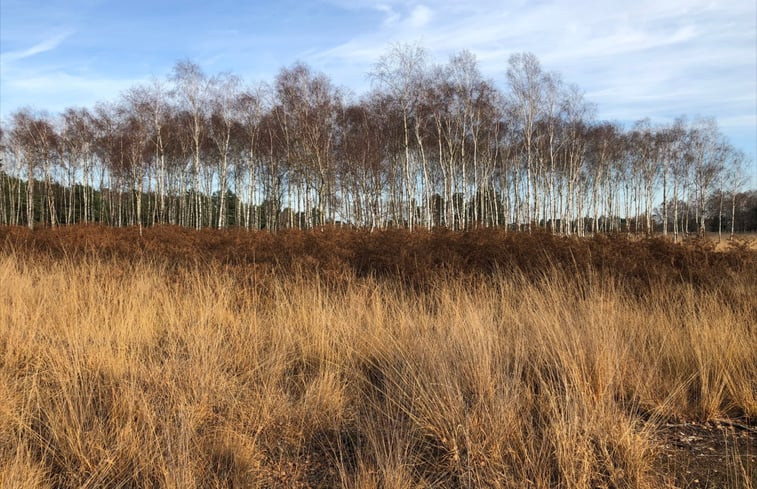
x,y
347,359
415,258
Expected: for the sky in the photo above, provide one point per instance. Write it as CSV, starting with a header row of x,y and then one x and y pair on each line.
x,y
649,58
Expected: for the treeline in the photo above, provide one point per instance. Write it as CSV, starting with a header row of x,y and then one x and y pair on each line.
x,y
429,146
118,209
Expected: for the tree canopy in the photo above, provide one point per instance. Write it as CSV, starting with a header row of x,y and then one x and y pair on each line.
x,y
429,145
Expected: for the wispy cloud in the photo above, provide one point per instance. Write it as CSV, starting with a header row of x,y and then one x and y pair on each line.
x,y
651,58
41,47
56,90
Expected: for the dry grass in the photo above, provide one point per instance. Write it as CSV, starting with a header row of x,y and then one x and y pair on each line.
x,y
118,374
747,240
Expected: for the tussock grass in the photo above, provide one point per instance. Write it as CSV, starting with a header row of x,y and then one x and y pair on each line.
x,y
142,374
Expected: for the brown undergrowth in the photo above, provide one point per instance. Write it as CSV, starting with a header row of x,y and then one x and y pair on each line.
x,y
347,359
414,258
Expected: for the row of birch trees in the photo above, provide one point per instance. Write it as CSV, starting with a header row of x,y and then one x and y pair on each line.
x,y
430,145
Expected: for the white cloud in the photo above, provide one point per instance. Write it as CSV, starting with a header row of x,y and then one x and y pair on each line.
x,y
391,15
420,16
56,90
651,58
41,47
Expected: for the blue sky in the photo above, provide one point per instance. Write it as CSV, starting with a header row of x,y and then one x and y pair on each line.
x,y
655,58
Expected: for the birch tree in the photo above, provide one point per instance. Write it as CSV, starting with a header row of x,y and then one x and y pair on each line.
x,y
192,89
223,103
399,72
525,81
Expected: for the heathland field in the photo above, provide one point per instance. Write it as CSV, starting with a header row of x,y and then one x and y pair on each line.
x,y
336,358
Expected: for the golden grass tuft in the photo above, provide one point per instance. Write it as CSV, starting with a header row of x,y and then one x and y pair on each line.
x,y
118,374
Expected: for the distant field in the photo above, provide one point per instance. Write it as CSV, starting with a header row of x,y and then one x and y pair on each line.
x,y
374,360
724,242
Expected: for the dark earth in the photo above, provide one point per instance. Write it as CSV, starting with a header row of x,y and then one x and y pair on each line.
x,y
713,454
